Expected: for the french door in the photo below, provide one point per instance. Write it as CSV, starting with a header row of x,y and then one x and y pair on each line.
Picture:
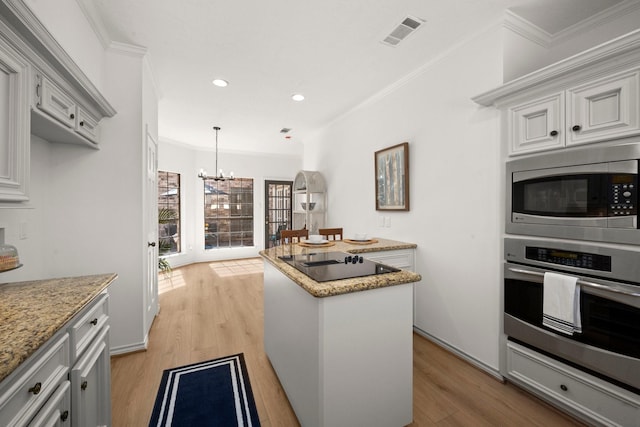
x,y
277,203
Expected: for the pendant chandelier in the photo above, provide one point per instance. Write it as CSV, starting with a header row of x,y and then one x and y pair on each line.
x,y
219,175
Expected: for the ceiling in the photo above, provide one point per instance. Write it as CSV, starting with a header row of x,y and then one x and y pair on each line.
x,y
330,51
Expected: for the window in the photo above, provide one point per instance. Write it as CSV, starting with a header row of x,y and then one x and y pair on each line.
x,y
228,213
168,212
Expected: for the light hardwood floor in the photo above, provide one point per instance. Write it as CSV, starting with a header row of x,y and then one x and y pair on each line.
x,y
211,310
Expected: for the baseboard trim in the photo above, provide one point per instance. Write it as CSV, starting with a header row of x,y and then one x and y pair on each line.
x,y
472,360
131,348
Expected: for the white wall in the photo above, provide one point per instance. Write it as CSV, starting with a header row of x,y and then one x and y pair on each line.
x,y
66,22
456,210
85,215
187,161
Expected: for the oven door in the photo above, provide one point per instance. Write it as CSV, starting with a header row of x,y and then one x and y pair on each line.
x,y
609,345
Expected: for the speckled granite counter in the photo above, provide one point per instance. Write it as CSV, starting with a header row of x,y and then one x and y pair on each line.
x,y
338,287
32,312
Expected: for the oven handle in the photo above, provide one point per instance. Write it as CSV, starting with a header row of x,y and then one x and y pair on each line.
x,y
580,282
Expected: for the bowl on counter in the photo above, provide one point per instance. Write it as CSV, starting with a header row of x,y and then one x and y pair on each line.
x,y
311,205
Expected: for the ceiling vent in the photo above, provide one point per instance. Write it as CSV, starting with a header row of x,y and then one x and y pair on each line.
x,y
403,30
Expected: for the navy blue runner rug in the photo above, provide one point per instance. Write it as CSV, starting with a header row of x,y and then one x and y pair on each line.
x,y
213,393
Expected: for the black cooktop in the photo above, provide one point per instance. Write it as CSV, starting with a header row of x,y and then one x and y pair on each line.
x,y
327,266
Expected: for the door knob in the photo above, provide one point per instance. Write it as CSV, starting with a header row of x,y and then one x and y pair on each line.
x,y
152,244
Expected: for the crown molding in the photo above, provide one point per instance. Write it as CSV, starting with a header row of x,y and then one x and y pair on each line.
x,y
127,49
617,53
526,29
90,12
425,67
608,15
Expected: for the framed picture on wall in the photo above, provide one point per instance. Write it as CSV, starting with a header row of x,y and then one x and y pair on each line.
x,y
392,178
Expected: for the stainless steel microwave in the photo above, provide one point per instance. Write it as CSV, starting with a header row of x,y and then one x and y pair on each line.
x,y
588,193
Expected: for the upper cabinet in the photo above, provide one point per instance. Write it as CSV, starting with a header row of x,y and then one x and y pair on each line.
x,y
596,111
604,109
14,124
58,117
42,92
588,98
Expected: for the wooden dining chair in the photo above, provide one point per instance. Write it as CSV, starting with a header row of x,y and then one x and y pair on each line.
x,y
290,236
331,233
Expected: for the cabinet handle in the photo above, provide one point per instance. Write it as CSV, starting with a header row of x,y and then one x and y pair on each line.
x,y
152,244
564,387
94,322
36,388
64,416
576,128
72,116
553,133
84,385
82,123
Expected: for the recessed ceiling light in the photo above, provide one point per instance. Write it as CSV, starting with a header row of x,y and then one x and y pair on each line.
x,y
220,83
297,97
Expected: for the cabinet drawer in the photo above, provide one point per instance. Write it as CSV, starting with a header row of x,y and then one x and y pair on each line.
x,y
88,325
87,126
57,411
55,102
574,389
403,259
28,392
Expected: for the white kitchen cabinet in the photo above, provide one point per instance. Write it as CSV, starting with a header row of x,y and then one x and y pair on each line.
x,y
604,109
56,412
78,125
43,92
536,125
91,385
309,201
14,124
23,395
67,381
404,259
53,101
585,396
599,110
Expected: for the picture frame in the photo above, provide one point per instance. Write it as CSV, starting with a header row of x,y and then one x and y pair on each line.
x,y
392,178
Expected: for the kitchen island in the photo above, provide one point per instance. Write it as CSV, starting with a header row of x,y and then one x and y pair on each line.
x,y
342,349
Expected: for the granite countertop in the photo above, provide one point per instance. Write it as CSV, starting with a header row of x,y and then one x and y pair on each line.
x,y
32,312
345,286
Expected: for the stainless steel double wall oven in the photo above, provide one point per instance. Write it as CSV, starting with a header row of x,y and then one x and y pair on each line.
x,y
575,213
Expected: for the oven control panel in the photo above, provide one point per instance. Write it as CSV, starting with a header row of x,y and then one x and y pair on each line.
x,y
569,258
623,196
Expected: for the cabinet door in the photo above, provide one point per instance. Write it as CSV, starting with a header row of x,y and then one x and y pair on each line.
x,y
604,109
91,385
55,102
87,126
14,125
537,125
56,413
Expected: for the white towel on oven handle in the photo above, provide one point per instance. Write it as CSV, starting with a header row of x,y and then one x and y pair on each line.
x,y
561,303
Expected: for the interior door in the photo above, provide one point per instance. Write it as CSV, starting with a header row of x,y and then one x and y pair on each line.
x,y
151,206
277,202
